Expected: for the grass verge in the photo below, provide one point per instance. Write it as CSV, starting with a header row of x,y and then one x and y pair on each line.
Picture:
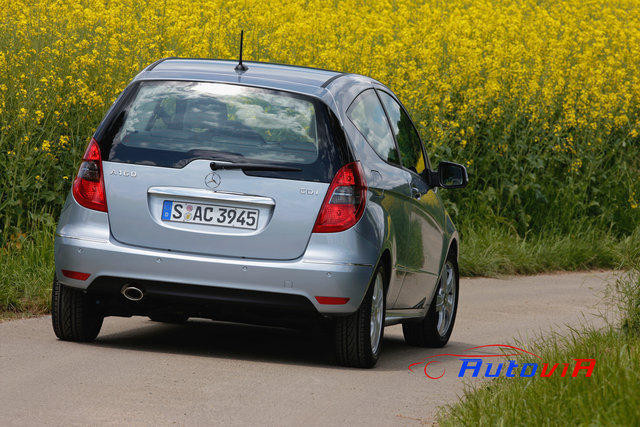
x,y
608,397
26,271
487,251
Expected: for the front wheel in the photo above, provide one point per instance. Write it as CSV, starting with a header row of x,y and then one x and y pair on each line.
x,y
73,314
436,327
358,337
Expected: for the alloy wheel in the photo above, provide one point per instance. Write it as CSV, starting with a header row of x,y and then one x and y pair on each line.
x,y
446,299
377,313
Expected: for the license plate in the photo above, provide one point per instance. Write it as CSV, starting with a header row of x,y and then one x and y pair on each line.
x,y
196,213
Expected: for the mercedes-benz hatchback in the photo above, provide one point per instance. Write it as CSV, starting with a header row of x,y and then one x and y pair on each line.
x,y
274,195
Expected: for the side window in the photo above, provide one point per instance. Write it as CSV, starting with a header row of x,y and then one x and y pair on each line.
x,y
367,115
405,134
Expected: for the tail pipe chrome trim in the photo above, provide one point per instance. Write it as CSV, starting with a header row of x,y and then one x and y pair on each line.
x,y
132,293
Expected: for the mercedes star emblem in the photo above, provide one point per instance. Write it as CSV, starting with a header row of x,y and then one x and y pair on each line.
x,y
212,180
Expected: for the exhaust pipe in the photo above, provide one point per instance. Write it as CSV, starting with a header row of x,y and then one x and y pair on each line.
x,y
132,293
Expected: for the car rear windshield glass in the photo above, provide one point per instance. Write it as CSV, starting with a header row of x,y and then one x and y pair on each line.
x,y
171,123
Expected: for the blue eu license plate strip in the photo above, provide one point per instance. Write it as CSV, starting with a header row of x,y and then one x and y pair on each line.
x,y
166,210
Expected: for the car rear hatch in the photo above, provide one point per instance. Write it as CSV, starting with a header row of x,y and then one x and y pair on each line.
x,y
274,154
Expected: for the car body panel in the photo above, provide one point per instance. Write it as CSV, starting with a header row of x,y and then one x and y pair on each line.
x,y
415,230
286,216
424,245
84,244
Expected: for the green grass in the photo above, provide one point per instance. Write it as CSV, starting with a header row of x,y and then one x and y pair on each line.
x,y
26,262
609,397
26,272
493,251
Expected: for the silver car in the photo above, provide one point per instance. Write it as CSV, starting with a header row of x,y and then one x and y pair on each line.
x,y
271,194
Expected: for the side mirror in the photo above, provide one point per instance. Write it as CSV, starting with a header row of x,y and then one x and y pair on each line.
x,y
451,175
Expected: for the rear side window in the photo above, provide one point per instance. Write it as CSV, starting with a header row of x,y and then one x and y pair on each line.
x,y
171,123
405,133
367,115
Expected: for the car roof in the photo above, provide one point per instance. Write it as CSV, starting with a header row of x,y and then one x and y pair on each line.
x,y
283,76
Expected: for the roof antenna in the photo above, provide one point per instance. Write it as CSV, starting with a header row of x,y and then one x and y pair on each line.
x,y
241,68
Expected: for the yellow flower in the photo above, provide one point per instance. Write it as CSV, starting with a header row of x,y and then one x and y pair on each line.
x,y
560,77
575,165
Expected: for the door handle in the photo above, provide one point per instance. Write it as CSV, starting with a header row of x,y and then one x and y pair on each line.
x,y
415,192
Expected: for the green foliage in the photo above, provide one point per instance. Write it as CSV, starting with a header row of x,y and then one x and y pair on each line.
x,y
527,180
488,251
26,273
608,397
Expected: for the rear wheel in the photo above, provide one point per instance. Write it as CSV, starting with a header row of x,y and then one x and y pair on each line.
x,y
73,314
436,327
358,337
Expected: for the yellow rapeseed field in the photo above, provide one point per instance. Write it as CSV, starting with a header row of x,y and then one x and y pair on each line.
x,y
539,98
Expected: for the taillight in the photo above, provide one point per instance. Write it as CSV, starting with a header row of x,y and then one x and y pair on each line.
x,y
88,187
344,203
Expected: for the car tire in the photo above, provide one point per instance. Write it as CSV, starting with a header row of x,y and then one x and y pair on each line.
x,y
176,319
358,336
73,314
430,331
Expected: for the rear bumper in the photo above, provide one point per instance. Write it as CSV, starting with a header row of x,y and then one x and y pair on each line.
x,y
265,282
171,299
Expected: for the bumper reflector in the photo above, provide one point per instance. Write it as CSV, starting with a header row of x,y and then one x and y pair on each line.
x,y
75,275
332,300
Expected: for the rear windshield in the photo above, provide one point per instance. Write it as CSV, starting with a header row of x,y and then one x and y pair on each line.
x,y
171,123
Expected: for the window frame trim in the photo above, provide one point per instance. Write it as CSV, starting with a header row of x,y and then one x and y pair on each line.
x,y
424,151
355,98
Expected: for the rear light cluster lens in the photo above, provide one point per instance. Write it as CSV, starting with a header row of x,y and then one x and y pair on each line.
x,y
88,187
75,275
345,200
332,300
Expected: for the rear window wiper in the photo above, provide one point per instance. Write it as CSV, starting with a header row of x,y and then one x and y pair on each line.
x,y
247,166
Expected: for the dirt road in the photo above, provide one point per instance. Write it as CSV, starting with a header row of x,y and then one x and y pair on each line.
x,y
140,372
